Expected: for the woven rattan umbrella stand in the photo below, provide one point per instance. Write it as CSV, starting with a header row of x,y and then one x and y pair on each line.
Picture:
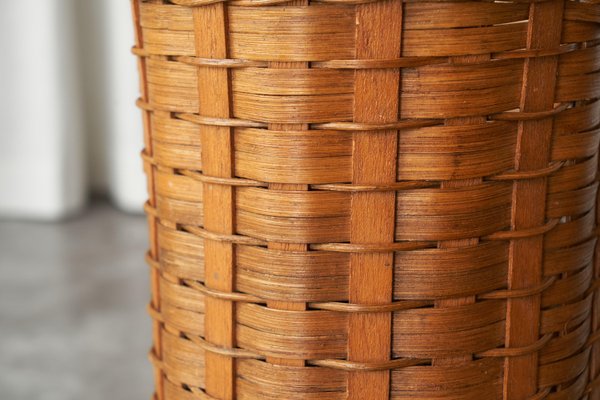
x,y
372,200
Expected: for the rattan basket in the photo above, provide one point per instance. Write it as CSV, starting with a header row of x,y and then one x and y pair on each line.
x,y
372,200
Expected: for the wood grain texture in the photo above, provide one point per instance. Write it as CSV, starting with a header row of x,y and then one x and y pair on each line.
x,y
533,152
467,242
376,99
218,200
287,305
382,200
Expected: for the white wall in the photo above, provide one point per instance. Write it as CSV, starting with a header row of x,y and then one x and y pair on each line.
x,y
41,164
111,86
67,117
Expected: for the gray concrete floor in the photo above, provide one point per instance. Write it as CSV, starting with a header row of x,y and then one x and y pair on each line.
x,y
72,309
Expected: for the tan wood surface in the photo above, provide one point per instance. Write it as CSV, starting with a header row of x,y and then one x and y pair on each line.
x,y
218,200
376,99
372,200
533,152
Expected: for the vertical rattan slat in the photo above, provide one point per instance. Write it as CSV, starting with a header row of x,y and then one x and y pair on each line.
x,y
210,29
372,199
528,208
376,100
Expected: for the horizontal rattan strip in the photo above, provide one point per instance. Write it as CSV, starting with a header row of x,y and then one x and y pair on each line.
x,y
409,277
258,228
349,126
311,33
325,157
177,183
257,3
475,380
429,344
402,62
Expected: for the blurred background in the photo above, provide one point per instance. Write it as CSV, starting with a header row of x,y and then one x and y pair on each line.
x,y
73,284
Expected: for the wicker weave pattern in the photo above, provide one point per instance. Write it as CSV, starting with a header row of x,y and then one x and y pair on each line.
x,y
372,200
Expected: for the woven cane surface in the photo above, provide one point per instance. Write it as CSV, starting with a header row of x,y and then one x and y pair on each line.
x,y
369,200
